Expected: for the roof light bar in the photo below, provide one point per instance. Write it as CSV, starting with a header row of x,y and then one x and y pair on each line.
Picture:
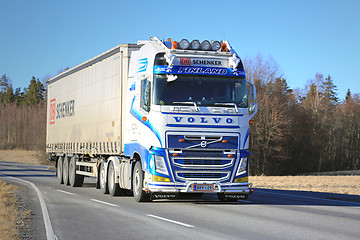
x,y
184,44
195,44
215,45
206,45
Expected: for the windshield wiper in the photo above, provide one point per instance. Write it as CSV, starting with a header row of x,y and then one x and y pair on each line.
x,y
189,103
228,104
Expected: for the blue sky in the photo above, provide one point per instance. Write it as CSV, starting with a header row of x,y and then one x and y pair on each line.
x,y
305,37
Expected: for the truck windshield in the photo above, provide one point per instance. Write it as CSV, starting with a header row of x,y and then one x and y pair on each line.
x,y
201,90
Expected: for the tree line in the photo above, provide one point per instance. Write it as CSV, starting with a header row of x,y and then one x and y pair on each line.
x,y
303,130
22,115
295,131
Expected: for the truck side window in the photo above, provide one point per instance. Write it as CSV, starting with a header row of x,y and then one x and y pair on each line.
x,y
145,95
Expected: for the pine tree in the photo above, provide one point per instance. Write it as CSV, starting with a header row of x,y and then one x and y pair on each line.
x,y
348,96
6,90
34,94
8,96
329,90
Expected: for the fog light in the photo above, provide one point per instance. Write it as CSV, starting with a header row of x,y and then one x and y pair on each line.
x,y
160,179
241,180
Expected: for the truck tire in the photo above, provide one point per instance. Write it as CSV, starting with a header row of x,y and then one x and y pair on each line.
x,y
59,170
66,171
103,183
75,180
114,188
137,184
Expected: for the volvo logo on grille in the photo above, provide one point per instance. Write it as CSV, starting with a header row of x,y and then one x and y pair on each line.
x,y
203,144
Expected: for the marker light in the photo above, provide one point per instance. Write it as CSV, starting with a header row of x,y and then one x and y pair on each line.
x,y
184,44
205,45
195,45
223,47
174,45
215,45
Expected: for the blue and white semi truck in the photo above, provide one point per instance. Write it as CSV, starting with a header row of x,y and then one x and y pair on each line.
x,y
156,118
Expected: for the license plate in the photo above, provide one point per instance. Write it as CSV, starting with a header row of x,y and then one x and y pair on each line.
x,y
203,187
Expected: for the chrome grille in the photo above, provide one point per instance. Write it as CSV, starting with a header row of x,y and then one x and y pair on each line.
x,y
192,160
196,176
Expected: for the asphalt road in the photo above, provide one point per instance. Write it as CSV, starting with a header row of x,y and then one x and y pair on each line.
x,y
86,213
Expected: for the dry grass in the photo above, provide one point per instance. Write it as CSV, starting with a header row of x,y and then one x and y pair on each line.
x,y
11,219
24,156
333,184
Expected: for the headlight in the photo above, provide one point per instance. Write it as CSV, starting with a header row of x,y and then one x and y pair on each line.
x,y
160,166
242,166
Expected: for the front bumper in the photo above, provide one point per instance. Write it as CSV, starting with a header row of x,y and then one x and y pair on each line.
x,y
188,187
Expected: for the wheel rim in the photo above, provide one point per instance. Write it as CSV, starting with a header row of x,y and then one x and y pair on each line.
x,y
65,170
71,169
111,178
137,181
102,177
59,170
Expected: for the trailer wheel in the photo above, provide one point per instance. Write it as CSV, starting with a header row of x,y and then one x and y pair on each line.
x,y
103,184
137,183
59,170
114,188
75,180
66,171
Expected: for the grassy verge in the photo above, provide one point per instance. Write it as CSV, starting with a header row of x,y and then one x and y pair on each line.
x,y
12,219
332,184
25,156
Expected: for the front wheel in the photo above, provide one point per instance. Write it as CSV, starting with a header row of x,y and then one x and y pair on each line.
x,y
137,183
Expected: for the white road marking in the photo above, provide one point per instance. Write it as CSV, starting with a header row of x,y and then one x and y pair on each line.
x,y
169,220
65,192
106,203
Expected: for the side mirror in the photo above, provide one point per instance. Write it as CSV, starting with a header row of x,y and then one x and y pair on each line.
x,y
252,99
